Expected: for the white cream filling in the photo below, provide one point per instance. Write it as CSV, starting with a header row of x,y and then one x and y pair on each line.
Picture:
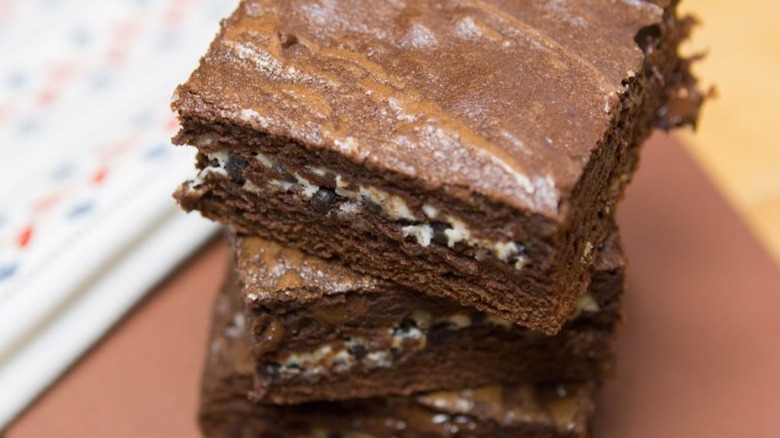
x,y
264,160
236,326
459,321
283,186
201,177
458,233
392,205
422,318
413,334
585,303
309,189
349,208
251,187
328,357
430,211
422,233
220,156
379,359
586,251
318,171
505,250
520,262
501,322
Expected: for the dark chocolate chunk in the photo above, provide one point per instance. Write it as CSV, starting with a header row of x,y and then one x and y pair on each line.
x,y
285,174
271,369
287,40
358,350
439,235
235,168
323,200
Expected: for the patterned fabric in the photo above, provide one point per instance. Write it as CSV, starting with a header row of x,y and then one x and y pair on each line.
x,y
86,164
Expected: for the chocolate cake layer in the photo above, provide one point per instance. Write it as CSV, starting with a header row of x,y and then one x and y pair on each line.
x,y
322,332
539,411
467,148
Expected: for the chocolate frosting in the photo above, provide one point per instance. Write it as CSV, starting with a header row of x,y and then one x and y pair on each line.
x,y
503,98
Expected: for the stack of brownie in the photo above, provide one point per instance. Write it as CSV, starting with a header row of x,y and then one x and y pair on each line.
x,y
420,197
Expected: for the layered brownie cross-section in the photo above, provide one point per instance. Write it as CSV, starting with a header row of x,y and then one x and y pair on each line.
x,y
548,410
322,332
467,148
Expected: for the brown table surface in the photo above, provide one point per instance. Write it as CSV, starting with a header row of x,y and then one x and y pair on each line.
x,y
699,354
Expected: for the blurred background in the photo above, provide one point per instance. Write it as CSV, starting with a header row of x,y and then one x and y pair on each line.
x,y
738,140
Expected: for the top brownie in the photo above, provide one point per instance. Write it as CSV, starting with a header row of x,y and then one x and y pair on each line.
x,y
470,149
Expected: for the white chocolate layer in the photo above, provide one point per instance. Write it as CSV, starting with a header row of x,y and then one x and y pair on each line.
x,y
393,206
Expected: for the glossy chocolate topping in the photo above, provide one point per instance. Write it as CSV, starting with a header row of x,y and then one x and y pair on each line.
x,y
274,274
503,98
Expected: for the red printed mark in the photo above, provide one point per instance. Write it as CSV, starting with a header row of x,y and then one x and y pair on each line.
x,y
111,153
46,97
6,10
5,111
172,124
63,72
59,76
176,12
46,203
99,176
116,56
25,236
124,33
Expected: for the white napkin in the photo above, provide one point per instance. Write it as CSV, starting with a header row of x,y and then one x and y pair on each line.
x,y
87,222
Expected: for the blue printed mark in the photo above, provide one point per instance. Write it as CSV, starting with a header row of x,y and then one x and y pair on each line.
x,y
8,271
63,172
99,81
29,126
80,37
17,80
156,152
80,210
143,119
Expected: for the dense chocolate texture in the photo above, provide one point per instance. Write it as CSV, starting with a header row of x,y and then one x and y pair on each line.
x,y
323,332
468,148
537,411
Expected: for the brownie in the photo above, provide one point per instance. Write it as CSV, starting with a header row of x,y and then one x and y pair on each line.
x,y
469,149
528,410
323,332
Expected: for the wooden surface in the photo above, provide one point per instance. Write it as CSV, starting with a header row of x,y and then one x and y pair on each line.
x,y
698,355
738,143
